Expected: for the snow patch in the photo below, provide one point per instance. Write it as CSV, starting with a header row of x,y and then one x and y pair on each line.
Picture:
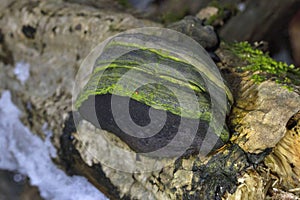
x,y
26,153
48,133
241,7
22,71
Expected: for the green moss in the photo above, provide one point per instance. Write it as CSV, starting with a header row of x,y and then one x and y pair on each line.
x,y
218,17
221,14
264,67
169,17
211,20
124,3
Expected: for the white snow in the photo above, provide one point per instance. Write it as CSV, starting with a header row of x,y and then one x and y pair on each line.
x,y
241,7
48,133
22,71
22,151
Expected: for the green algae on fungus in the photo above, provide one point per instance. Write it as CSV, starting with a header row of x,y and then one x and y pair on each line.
x,y
156,69
264,67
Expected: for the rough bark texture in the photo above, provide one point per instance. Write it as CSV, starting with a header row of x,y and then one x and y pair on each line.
x,y
53,37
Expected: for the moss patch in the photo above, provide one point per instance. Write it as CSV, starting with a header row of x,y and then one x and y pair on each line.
x,y
124,3
264,67
225,10
171,16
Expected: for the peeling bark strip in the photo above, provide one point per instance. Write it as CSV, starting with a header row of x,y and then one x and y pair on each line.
x,y
75,165
285,159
